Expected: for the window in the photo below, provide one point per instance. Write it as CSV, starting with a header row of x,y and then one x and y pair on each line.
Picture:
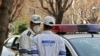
x,y
16,43
68,53
87,46
9,43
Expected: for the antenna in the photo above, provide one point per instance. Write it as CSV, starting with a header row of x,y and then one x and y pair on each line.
x,y
34,11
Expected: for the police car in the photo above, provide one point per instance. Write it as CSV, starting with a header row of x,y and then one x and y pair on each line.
x,y
80,40
11,45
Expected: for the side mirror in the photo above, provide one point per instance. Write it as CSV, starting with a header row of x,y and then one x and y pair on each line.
x,y
15,46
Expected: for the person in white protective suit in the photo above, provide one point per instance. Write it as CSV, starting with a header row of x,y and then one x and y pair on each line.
x,y
24,45
48,43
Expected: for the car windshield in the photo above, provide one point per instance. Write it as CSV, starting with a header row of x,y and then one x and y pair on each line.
x,y
86,46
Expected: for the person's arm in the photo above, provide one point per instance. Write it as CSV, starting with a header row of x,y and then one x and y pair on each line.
x,y
62,51
23,44
34,50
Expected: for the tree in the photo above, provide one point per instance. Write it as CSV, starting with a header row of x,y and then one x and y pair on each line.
x,y
16,8
6,14
85,11
56,8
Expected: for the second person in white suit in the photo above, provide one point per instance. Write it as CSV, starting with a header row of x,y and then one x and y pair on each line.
x,y
47,43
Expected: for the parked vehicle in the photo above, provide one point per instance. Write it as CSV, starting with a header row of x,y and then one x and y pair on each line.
x,y
11,46
80,40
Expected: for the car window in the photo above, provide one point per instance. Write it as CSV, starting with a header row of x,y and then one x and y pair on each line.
x,y
87,46
16,42
68,53
9,43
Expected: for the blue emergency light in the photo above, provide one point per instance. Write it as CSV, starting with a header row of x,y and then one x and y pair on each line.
x,y
76,28
94,28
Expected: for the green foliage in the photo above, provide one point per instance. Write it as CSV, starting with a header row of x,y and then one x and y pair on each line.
x,y
20,26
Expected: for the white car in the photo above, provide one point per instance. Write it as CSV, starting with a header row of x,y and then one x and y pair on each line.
x,y
82,44
11,46
80,40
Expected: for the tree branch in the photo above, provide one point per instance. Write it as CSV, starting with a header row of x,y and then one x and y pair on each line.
x,y
45,8
69,4
17,13
17,6
65,4
51,3
59,4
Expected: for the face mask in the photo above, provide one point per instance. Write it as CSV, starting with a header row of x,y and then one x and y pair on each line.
x,y
36,29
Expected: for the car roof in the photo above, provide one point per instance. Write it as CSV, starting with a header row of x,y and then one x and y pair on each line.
x,y
16,36
72,36
77,30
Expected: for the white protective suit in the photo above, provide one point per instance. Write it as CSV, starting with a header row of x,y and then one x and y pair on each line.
x,y
48,44
24,45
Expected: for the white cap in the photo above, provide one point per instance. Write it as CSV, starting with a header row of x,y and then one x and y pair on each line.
x,y
35,19
49,20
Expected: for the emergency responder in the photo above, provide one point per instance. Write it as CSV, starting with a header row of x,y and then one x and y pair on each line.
x,y
34,28
47,43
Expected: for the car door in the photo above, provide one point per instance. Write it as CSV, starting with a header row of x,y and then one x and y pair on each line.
x,y
7,48
11,46
9,42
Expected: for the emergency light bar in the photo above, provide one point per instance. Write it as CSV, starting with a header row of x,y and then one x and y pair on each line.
x,y
76,28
